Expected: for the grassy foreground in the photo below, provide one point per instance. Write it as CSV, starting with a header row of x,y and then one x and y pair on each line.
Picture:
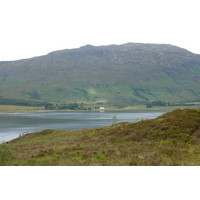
x,y
171,139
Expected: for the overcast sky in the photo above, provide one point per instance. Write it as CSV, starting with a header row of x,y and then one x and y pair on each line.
x,y
31,28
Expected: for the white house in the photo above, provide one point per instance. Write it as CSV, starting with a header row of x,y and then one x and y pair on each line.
x,y
101,108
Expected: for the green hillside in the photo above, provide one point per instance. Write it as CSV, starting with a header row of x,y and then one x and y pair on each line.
x,y
170,139
127,74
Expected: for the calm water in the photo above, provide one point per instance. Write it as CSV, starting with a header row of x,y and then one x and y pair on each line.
x,y
12,125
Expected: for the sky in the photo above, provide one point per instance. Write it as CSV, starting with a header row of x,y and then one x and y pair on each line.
x,y
30,28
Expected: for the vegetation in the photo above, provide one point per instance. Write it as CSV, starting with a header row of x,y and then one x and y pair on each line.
x,y
169,104
21,102
157,103
69,106
6,155
119,75
171,139
19,109
114,119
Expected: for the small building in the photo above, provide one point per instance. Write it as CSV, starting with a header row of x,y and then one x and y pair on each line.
x,y
101,108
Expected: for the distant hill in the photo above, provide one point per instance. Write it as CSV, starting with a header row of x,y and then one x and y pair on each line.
x,y
127,73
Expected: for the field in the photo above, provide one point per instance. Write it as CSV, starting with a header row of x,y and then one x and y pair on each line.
x,y
19,109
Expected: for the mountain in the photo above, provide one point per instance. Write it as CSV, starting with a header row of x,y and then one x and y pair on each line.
x,y
128,73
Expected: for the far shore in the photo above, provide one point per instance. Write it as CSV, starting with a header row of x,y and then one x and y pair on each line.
x,y
27,109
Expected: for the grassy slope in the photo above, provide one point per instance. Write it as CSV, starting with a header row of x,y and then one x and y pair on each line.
x,y
171,139
115,73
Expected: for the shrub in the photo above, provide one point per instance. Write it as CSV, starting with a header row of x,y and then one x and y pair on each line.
x,y
6,155
114,119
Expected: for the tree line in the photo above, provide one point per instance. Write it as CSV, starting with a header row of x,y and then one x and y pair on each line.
x,y
21,102
163,103
45,104
157,103
64,106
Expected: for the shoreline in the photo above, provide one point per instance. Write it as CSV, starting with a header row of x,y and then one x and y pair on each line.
x,y
10,109
63,113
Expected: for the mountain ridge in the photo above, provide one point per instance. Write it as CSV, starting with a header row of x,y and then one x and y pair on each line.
x,y
128,73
